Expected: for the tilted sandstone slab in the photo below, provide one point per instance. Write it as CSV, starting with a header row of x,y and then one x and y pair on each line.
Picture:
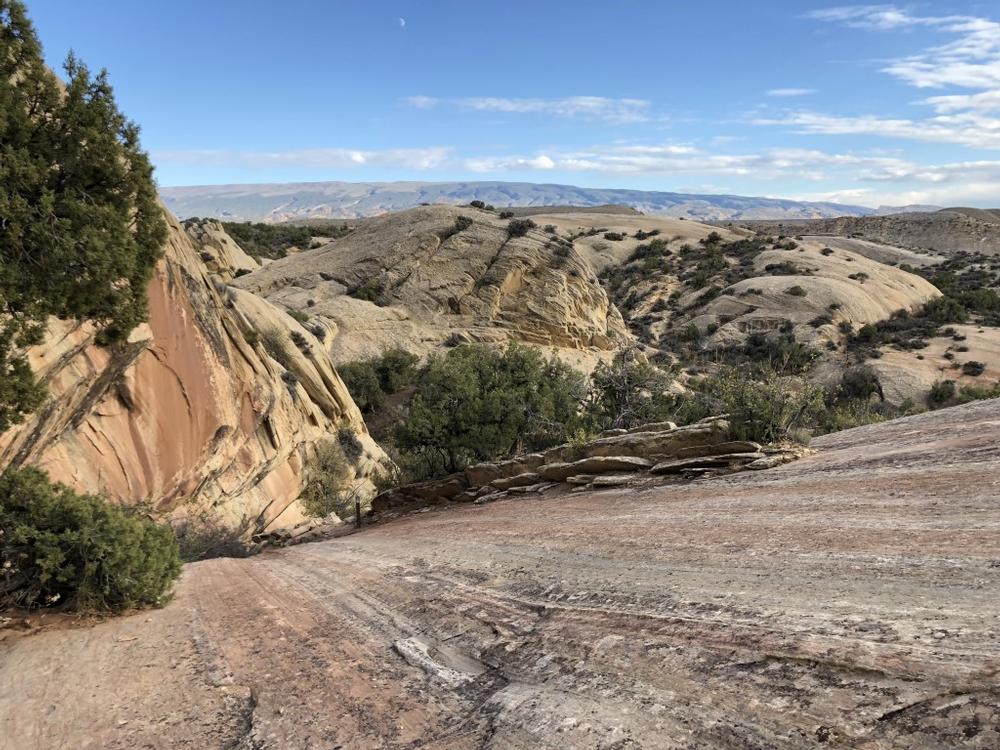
x,y
211,407
704,462
560,472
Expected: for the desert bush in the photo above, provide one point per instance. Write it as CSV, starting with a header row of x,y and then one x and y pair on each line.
x,y
474,403
973,368
519,227
614,236
372,290
275,240
58,546
628,392
941,392
206,537
767,408
506,214
860,383
328,486
371,381
796,291
363,384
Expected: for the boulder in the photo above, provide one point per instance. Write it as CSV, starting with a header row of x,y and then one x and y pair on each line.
x,y
484,473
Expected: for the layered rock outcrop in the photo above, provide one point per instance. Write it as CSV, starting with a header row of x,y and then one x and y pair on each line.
x,y
619,457
417,279
212,407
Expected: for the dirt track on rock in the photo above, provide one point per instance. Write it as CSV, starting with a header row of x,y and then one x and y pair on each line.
x,y
850,600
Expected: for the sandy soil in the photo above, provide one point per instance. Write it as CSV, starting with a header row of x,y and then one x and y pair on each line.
x,y
848,600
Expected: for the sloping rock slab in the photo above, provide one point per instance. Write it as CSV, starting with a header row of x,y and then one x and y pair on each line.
x,y
701,462
521,480
560,472
664,443
735,446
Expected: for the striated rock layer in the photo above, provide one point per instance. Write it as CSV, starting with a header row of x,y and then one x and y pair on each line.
x,y
211,407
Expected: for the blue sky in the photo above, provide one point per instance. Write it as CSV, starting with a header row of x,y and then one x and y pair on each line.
x,y
869,104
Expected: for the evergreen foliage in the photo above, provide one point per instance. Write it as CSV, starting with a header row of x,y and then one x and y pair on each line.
x,y
58,547
477,404
80,225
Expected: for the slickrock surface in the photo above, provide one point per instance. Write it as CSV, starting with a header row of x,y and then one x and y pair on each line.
x,y
850,599
213,406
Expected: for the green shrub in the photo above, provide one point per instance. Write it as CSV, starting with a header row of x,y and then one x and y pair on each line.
x,y
275,240
328,486
372,290
519,227
369,382
462,223
477,404
614,236
60,547
769,408
628,392
363,384
973,368
81,227
298,315
860,383
941,392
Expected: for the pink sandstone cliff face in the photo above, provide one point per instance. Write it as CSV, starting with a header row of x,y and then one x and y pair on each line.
x,y
210,408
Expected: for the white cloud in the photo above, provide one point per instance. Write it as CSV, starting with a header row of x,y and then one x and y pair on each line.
x,y
584,107
971,60
314,158
963,128
790,92
421,102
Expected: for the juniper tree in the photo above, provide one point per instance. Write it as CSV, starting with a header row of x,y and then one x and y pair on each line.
x,y
80,225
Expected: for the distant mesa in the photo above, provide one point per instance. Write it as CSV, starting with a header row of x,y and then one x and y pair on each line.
x,y
347,200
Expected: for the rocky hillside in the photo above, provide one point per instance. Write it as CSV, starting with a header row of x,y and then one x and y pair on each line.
x,y
337,200
212,407
948,231
439,275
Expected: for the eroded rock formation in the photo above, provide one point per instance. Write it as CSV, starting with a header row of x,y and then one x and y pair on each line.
x,y
212,407
414,279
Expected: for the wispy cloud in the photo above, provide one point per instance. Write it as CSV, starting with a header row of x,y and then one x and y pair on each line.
x,y
422,102
971,60
682,161
965,128
790,92
312,158
584,107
